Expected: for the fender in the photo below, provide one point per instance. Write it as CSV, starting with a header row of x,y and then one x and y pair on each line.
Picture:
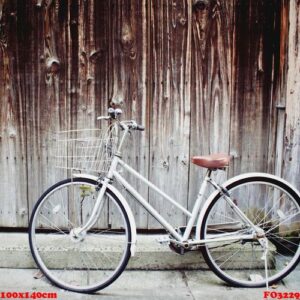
x,y
126,207
231,181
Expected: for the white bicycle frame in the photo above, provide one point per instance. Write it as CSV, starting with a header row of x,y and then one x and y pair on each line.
x,y
192,216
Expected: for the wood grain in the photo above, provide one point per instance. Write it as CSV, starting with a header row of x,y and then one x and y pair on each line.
x,y
170,104
127,85
255,49
210,85
202,76
292,130
13,166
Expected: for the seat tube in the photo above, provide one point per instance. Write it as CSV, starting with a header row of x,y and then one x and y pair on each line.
x,y
197,205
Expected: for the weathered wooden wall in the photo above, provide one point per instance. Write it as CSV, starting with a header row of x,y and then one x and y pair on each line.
x,y
291,146
203,76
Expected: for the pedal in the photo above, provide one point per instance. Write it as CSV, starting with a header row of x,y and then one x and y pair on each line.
x,y
164,240
177,249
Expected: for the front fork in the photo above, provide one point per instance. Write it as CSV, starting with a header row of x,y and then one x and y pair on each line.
x,y
79,232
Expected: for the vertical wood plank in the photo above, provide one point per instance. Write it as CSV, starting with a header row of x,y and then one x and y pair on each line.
x,y
252,108
128,82
280,65
83,78
46,96
170,107
291,167
99,57
13,210
211,84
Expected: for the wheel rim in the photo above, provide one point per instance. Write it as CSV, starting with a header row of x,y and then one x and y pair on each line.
x,y
271,208
94,260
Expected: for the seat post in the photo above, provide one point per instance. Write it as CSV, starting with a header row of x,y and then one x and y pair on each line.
x,y
208,173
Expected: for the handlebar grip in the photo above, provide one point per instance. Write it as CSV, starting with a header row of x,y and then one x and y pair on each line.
x,y
103,118
140,127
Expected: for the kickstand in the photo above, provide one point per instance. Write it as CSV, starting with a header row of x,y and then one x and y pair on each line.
x,y
265,258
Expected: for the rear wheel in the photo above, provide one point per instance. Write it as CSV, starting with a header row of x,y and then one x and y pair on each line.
x,y
272,206
93,260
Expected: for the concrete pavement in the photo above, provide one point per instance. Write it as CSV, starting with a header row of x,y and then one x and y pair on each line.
x,y
166,285
150,255
176,281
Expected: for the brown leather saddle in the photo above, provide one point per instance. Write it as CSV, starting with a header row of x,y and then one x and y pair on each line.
x,y
213,161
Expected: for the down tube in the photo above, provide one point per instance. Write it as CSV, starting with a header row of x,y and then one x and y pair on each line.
x,y
148,207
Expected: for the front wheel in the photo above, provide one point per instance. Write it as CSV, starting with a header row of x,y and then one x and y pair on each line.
x,y
84,263
273,206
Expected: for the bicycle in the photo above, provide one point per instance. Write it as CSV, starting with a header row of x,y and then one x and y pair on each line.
x,y
252,218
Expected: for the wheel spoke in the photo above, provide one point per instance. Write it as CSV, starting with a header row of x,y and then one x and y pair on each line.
x,y
88,261
287,219
269,206
53,226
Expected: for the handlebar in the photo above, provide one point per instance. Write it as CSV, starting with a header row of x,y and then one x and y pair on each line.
x,y
114,114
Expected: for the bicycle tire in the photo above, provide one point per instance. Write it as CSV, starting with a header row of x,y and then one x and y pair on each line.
x,y
95,261
282,232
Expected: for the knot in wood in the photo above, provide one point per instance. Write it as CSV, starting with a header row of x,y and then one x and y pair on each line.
x,y
22,212
200,4
39,3
12,134
165,164
127,36
90,79
132,54
52,65
127,41
48,3
94,56
117,101
181,19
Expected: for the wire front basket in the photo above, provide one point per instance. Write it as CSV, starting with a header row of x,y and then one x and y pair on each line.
x,y
86,150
